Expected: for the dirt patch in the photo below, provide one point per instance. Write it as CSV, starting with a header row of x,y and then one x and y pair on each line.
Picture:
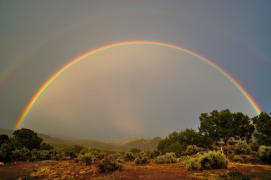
x,y
68,169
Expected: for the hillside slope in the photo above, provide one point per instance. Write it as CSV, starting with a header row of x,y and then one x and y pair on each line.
x,y
152,145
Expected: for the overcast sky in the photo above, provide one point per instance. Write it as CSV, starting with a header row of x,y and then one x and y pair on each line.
x,y
132,90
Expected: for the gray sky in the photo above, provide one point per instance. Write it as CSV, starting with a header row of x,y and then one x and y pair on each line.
x,y
132,90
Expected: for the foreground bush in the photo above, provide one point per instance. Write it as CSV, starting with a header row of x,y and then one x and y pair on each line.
x,y
129,156
22,154
109,164
212,160
141,158
265,154
135,150
242,148
192,149
56,154
254,146
153,154
167,158
237,158
189,164
86,158
237,175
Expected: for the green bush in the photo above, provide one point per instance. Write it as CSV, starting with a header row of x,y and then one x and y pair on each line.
x,y
212,160
167,158
135,150
189,164
254,146
100,155
153,154
129,156
21,154
242,148
56,154
265,153
44,155
192,149
87,158
34,155
141,158
84,151
236,175
237,158
109,164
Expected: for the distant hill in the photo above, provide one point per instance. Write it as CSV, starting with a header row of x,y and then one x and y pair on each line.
x,y
152,145
114,141
91,143
135,143
6,132
148,139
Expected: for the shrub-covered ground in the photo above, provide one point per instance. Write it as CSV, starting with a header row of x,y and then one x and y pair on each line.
x,y
69,169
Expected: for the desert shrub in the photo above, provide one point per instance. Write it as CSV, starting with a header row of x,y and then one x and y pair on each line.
x,y
4,149
84,151
21,154
265,153
153,154
135,150
228,149
212,160
237,158
141,158
34,155
56,154
87,158
44,154
237,175
254,146
120,159
189,164
109,164
77,149
100,155
167,158
242,148
129,156
192,149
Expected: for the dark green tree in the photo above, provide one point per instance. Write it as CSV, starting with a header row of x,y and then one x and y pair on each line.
x,y
163,144
225,125
263,126
26,138
44,146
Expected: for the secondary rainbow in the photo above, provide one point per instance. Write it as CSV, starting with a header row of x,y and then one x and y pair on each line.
x,y
65,67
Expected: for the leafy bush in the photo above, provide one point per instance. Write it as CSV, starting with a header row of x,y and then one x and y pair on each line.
x,y
167,158
117,155
34,155
212,160
129,156
265,153
237,158
236,175
192,149
135,150
109,164
87,158
153,154
77,149
254,146
242,148
141,158
100,156
84,151
189,164
21,154
56,154
44,155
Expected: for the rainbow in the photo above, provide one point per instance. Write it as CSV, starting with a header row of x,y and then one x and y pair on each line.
x,y
65,67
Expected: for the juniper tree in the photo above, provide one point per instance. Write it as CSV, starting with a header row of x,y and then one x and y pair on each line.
x,y
263,126
225,125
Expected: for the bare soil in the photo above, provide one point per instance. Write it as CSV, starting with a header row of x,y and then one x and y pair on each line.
x,y
66,169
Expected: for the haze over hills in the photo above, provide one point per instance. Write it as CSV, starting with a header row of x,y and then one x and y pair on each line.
x,y
112,143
